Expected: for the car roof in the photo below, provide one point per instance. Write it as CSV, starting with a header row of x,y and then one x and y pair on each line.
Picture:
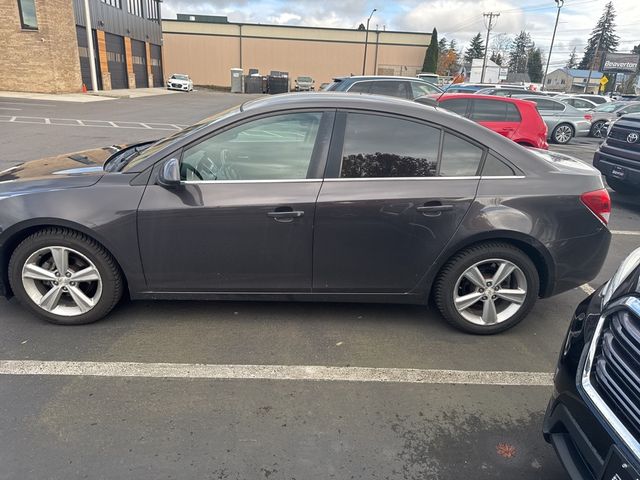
x,y
480,96
378,77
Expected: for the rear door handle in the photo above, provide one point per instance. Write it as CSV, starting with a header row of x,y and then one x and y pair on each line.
x,y
285,214
434,210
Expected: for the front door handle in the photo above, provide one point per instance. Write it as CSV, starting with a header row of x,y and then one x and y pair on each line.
x,y
285,214
434,210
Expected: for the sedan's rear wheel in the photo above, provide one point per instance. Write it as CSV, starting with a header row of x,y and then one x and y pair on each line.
x,y
562,134
487,289
65,277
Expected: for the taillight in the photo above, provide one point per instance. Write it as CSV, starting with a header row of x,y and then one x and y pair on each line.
x,y
588,117
599,203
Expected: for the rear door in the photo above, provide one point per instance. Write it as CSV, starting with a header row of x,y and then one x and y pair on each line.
x,y
389,205
497,115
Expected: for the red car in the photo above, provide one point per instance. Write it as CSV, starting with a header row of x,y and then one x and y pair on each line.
x,y
516,119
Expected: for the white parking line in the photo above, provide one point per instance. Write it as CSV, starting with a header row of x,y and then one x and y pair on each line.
x,y
625,232
90,123
27,104
275,372
6,108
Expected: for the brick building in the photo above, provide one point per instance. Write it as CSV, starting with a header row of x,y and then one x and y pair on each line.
x,y
45,46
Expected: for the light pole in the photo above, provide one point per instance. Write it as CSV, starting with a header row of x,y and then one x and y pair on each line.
x,y
559,4
366,39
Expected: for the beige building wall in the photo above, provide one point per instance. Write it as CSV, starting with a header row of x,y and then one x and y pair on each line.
x,y
45,60
207,51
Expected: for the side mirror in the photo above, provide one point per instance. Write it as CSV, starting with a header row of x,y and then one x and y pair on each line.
x,y
619,114
169,175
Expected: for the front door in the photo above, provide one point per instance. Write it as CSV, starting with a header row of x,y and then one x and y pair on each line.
x,y
392,205
242,221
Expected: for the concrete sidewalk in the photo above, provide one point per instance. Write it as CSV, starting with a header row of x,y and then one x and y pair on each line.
x,y
133,92
89,96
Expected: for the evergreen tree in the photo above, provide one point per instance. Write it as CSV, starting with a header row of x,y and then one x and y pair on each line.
x,y
475,50
603,39
430,64
534,65
496,57
453,45
519,52
573,59
443,46
636,49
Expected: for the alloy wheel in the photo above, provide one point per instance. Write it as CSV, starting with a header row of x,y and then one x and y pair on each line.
x,y
563,134
62,281
490,292
599,129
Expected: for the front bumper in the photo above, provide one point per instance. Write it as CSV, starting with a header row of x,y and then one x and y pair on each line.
x,y
587,448
617,168
177,86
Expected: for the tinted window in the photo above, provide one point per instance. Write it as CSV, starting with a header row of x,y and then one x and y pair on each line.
x,y
489,111
379,146
513,114
273,148
360,87
494,167
545,105
28,18
459,157
420,88
390,88
631,109
457,105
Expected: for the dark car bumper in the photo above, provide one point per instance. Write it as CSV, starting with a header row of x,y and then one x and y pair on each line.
x,y
585,445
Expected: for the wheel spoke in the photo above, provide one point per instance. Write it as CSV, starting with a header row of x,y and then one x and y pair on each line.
x,y
489,313
60,258
89,274
83,302
475,276
512,295
35,272
465,301
50,300
504,270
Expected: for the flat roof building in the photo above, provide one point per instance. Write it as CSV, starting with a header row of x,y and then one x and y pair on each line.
x,y
207,47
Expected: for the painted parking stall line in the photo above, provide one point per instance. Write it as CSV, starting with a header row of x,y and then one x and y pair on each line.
x,y
275,373
75,122
625,232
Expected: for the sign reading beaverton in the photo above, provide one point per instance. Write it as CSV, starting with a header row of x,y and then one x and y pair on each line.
x,y
621,62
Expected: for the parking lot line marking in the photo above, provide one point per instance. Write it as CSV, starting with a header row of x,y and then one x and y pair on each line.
x,y
625,232
275,372
588,289
27,104
7,108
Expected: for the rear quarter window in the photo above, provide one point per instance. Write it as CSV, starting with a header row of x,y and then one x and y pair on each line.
x,y
494,167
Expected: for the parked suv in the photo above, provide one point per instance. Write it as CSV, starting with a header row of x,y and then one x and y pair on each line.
x,y
402,87
618,157
593,417
516,119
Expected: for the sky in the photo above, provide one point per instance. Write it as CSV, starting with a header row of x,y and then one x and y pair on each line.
x,y
457,19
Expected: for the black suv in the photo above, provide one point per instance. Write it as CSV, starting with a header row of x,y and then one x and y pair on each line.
x,y
618,158
593,418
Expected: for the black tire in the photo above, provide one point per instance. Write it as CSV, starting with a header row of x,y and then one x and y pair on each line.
x,y
596,129
556,131
112,282
621,187
445,285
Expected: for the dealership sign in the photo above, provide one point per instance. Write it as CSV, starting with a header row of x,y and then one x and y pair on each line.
x,y
621,62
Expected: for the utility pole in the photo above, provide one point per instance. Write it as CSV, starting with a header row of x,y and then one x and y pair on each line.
x,y
366,40
92,59
490,15
560,4
595,57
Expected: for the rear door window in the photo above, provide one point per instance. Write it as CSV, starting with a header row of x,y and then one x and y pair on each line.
x,y
544,105
378,146
360,87
419,89
460,158
391,88
488,111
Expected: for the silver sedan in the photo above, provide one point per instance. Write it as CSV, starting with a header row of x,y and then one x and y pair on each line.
x,y
563,121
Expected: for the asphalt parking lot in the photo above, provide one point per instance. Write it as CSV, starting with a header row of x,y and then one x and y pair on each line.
x,y
158,403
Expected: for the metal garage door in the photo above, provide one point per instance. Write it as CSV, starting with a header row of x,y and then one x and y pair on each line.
x,y
116,60
156,65
139,57
84,57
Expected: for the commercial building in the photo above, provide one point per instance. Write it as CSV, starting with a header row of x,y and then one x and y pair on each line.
x,y
571,80
207,47
45,45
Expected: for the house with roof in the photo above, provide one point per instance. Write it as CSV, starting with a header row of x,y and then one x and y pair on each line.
x,y
572,80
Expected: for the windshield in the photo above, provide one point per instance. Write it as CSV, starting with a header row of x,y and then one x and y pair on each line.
x,y
608,107
180,77
142,155
305,79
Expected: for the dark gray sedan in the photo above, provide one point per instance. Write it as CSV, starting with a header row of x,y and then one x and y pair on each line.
x,y
329,197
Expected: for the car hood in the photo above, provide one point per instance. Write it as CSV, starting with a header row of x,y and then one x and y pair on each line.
x,y
79,169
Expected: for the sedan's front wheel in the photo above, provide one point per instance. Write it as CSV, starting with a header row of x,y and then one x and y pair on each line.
x,y
487,288
65,277
562,134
